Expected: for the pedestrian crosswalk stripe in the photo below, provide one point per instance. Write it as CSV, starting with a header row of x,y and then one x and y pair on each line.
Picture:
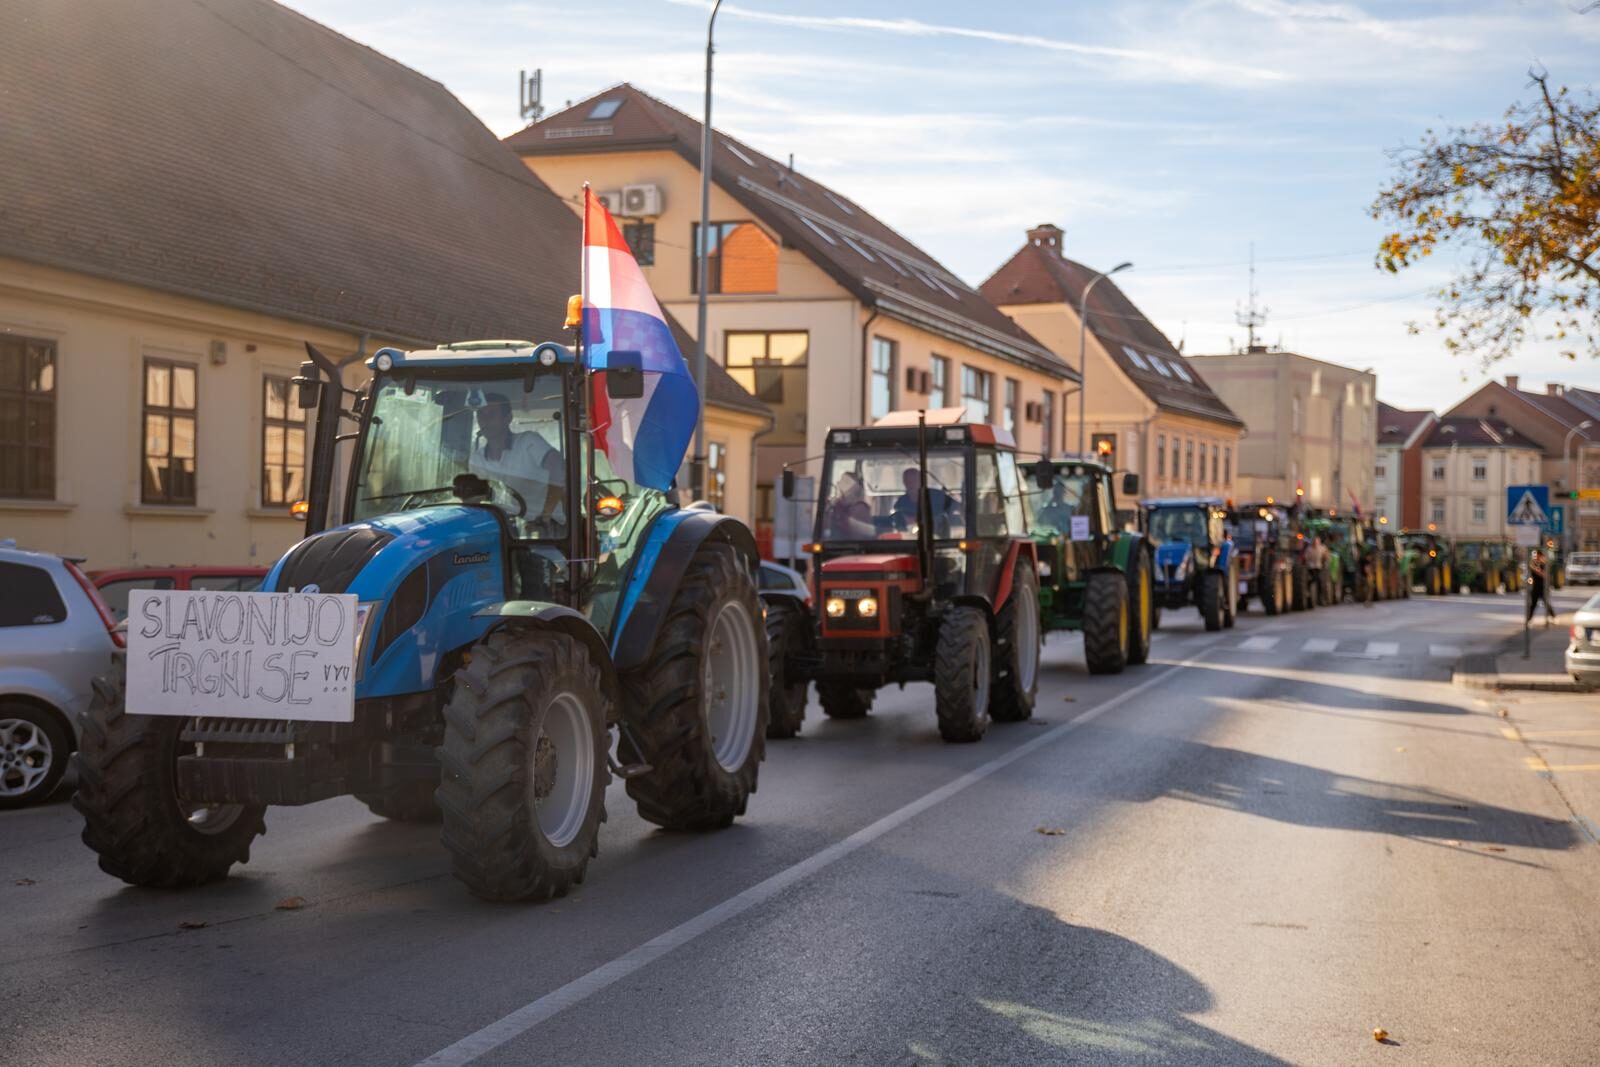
x,y
1444,651
1259,644
1382,648
1320,644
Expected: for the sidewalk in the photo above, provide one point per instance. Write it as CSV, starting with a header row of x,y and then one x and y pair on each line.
x,y
1504,667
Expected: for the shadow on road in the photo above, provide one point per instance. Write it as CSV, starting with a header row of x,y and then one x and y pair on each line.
x,y
1307,688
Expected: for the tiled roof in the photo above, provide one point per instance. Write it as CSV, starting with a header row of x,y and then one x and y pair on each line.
x,y
1396,425
1039,274
239,153
1560,409
1467,431
865,256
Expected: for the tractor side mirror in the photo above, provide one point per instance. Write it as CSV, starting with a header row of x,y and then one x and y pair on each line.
x,y
788,484
1044,474
308,387
1130,484
625,375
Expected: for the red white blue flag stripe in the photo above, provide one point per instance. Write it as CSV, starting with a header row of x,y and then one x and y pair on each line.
x,y
644,438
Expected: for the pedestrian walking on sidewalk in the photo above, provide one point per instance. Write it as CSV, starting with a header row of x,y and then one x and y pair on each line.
x,y
1538,589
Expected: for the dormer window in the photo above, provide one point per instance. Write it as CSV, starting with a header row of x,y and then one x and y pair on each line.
x,y
602,111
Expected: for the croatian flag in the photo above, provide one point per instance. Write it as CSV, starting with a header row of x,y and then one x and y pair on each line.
x,y
644,438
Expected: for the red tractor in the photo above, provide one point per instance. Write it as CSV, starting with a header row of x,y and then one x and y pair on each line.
x,y
921,570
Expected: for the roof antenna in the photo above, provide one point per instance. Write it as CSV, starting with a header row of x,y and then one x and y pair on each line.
x,y
1183,332
530,95
1253,316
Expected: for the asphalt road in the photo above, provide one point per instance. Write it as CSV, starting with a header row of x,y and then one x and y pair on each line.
x,y
1253,850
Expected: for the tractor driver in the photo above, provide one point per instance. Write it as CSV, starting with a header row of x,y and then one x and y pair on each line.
x,y
1057,514
905,508
524,462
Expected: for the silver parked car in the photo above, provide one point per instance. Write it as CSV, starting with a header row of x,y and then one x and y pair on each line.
x,y
55,636
1583,568
1583,651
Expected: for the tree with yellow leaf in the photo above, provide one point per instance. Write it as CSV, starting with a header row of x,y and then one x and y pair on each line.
x,y
1521,201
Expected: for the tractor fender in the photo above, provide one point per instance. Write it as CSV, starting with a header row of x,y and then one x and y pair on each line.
x,y
1125,546
647,593
542,614
1224,556
1008,567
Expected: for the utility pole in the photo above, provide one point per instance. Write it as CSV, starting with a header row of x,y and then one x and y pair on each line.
x,y
1251,317
703,247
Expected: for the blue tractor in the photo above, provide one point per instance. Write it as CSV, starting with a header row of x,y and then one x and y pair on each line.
x,y
517,604
1195,564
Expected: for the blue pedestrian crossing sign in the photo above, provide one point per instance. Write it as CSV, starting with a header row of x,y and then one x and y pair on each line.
x,y
1527,505
1557,524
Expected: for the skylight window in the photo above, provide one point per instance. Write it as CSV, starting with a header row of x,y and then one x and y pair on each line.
x,y
951,293
898,269
818,230
786,177
1182,371
602,111
921,277
1133,354
1161,368
840,204
736,150
859,247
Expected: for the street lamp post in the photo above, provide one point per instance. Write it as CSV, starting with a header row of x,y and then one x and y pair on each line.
x,y
703,252
1083,346
1566,455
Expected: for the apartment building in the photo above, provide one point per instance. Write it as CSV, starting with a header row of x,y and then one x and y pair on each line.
x,y
1467,464
1397,474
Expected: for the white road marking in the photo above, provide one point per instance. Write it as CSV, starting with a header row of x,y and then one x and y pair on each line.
x,y
1259,644
530,1015
1382,648
1444,651
1320,644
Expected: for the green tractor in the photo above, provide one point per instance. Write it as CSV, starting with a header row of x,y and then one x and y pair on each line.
x,y
1487,566
1094,575
1430,560
1341,536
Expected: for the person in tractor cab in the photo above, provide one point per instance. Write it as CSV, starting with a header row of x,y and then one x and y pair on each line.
x,y
849,514
940,503
1064,503
522,461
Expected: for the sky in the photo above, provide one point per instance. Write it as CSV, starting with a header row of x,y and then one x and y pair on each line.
x,y
1173,135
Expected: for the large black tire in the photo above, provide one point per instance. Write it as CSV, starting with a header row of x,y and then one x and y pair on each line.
x,y
961,675
1141,606
701,781
1230,598
1016,666
1305,598
35,748
412,802
1211,599
787,623
1271,592
508,707
128,795
1106,620
841,701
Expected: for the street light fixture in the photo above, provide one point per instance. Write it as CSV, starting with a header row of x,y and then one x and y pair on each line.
x,y
1566,535
1083,345
698,465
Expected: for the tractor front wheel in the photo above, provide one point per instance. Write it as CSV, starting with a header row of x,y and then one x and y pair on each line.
x,y
523,765
133,818
1141,609
962,675
1106,620
702,699
1017,647
1271,593
786,628
1211,598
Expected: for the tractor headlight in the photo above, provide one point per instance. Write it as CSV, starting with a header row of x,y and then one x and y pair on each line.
x,y
364,612
867,607
384,362
835,607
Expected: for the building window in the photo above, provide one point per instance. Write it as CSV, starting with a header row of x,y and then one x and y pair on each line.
x,y
1161,455
1480,509
1188,461
1436,510
27,418
1176,446
1383,505
1214,450
977,393
1438,470
170,403
1480,469
1047,416
741,259
771,366
641,238
1227,466
883,360
1013,388
939,390
717,474
1381,471
283,443
1294,414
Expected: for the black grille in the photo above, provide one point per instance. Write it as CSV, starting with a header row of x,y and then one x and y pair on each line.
x,y
330,561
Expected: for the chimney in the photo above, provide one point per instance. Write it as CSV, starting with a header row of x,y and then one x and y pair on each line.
x,y
1046,235
1552,389
1511,382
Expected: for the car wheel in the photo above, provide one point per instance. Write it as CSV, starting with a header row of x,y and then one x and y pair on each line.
x,y
34,749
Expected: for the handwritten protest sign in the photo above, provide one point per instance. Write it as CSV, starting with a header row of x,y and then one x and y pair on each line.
x,y
243,655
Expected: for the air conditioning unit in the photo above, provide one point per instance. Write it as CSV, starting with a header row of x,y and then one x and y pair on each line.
x,y
641,201
918,381
1030,411
612,201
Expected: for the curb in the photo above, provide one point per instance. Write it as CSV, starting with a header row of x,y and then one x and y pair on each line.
x,y
1481,670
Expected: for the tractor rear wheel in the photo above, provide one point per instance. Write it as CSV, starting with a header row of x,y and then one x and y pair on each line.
x,y
1106,623
786,627
1271,592
523,765
1299,591
1230,598
962,674
411,802
1141,608
133,818
840,701
705,687
1017,646
1211,599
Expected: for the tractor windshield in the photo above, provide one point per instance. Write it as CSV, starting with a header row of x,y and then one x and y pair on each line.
x,y
1470,551
439,439
1054,508
870,494
1187,525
